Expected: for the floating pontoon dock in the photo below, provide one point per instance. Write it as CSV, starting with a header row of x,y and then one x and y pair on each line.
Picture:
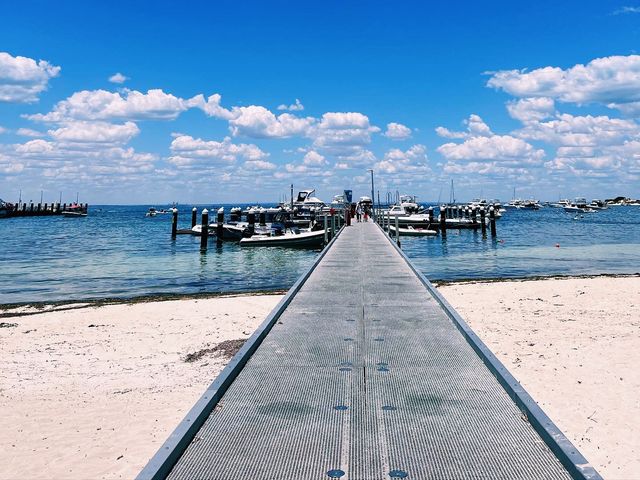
x,y
364,371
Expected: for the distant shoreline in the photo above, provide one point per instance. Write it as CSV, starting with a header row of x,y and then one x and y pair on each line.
x,y
15,309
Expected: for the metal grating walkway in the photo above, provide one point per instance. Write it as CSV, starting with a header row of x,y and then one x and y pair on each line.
x,y
364,376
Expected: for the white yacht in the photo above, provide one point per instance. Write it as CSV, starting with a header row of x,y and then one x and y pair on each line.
x,y
579,205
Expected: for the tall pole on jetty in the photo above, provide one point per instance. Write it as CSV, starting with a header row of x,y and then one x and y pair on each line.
x,y
373,213
292,197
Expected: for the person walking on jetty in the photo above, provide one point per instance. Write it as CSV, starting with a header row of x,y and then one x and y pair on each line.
x,y
366,214
358,213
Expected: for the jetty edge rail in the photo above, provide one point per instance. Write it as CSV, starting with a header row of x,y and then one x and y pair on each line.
x,y
570,457
160,465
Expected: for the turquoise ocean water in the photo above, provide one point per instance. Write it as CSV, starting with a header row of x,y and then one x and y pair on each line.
x,y
118,252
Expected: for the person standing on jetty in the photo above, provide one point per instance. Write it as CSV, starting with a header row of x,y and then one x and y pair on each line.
x,y
358,213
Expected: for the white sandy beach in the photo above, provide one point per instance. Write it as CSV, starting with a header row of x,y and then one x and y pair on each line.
x,y
93,392
574,344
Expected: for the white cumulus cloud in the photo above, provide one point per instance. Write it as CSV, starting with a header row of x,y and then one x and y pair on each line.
x,y
346,136
294,107
412,160
95,132
475,127
313,158
612,81
29,132
505,148
259,165
259,122
188,151
128,105
22,79
531,109
118,78
397,131
585,130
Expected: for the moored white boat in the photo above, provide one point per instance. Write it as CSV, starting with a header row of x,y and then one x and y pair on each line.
x,y
411,231
579,205
291,238
74,210
69,213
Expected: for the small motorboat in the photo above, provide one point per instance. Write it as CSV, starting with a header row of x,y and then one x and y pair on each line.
x,y
69,213
74,210
293,238
197,230
151,213
411,231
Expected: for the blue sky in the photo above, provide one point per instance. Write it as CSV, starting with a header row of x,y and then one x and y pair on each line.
x,y
539,97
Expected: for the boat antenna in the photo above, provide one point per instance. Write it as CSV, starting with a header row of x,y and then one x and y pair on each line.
x,y
20,197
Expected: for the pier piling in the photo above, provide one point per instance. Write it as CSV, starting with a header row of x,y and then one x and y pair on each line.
x,y
333,226
397,230
194,217
326,236
251,218
220,224
204,234
174,222
483,222
492,221
443,222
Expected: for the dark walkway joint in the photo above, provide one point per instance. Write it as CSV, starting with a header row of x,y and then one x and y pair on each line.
x,y
367,374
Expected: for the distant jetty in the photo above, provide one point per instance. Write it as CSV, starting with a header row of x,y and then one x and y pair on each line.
x,y
10,210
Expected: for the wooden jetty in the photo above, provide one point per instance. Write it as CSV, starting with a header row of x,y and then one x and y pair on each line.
x,y
363,371
40,209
